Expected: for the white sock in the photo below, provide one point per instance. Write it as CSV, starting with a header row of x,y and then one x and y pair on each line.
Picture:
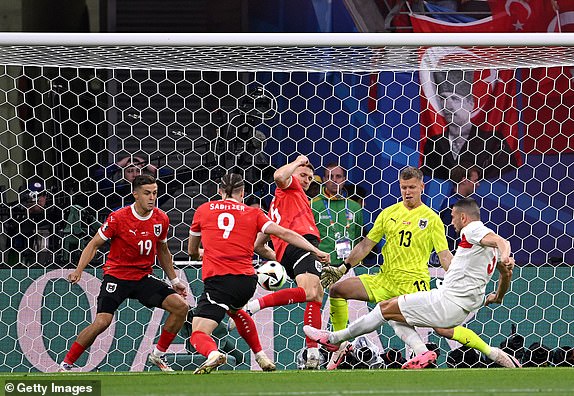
x,y
253,306
313,352
409,336
157,353
493,353
365,324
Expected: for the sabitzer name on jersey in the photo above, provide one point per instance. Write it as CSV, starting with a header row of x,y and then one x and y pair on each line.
x,y
226,206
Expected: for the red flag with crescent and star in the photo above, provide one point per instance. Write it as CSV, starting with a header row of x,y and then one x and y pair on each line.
x,y
546,98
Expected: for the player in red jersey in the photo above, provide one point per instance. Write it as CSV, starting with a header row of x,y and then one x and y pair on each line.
x,y
291,209
137,233
228,229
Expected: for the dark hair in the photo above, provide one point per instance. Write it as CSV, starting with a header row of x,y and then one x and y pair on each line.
x,y
335,165
468,206
142,180
310,166
231,183
411,172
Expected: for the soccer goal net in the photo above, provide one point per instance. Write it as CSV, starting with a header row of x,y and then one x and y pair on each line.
x,y
80,113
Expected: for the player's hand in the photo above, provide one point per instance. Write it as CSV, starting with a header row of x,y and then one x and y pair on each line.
x,y
74,276
180,288
492,298
330,275
511,263
302,160
323,257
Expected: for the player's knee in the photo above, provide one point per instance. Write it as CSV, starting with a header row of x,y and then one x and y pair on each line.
x,y
385,306
178,306
101,323
314,293
447,333
337,291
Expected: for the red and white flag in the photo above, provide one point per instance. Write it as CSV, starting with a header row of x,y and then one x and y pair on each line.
x,y
544,109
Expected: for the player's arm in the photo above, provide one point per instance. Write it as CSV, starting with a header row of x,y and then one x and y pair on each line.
x,y
358,253
166,262
260,247
445,258
295,239
87,255
494,240
283,174
331,275
193,247
503,282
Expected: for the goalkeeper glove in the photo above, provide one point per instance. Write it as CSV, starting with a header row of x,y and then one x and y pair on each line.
x,y
331,274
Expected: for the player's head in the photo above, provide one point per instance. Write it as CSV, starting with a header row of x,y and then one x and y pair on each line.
x,y
464,211
334,178
412,186
232,186
144,190
304,174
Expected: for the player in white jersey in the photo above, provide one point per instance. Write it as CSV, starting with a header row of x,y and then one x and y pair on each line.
x,y
479,252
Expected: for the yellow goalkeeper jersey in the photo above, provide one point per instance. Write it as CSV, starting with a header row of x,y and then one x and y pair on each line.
x,y
410,236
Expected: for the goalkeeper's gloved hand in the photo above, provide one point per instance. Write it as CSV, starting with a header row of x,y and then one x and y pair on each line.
x,y
331,274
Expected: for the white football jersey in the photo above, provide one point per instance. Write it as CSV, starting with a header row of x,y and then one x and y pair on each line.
x,y
471,268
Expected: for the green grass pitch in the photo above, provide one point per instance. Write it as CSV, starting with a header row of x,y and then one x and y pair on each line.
x,y
496,382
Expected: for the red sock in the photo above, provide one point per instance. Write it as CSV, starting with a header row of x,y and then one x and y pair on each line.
x,y
313,319
165,340
203,343
283,297
246,329
74,353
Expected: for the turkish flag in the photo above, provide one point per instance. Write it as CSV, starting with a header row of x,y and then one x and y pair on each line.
x,y
564,20
468,118
548,112
544,106
548,93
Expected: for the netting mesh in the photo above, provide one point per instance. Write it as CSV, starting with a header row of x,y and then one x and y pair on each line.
x,y
73,119
274,58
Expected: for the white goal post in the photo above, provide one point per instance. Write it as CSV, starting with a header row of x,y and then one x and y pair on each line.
x,y
191,107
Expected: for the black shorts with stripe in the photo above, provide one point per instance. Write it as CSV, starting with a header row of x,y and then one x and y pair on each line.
x,y
150,291
299,261
223,293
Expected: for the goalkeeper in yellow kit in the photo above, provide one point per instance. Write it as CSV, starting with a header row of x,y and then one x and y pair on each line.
x,y
411,230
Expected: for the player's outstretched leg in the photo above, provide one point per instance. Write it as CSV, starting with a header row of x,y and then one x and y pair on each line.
x,y
279,298
504,359
420,361
321,336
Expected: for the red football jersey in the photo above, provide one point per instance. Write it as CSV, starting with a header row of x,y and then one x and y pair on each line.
x,y
134,241
228,230
291,209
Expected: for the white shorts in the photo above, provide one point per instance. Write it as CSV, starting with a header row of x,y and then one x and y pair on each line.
x,y
431,309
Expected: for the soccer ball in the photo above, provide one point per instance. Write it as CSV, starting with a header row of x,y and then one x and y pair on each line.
x,y
271,276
